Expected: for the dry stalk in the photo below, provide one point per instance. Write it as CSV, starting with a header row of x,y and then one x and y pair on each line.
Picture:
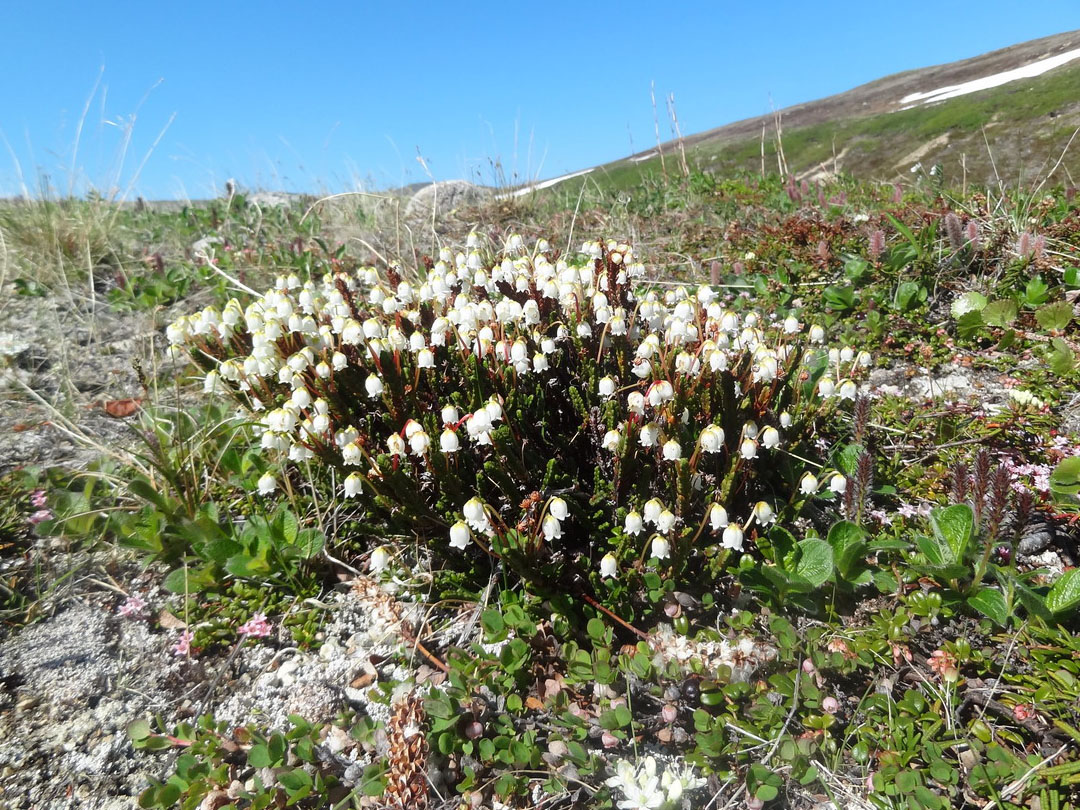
x,y
678,134
656,126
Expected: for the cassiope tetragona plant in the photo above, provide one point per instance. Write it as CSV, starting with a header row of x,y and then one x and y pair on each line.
x,y
557,413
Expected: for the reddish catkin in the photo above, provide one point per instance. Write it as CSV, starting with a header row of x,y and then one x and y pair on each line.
x,y
877,244
973,234
1024,246
954,231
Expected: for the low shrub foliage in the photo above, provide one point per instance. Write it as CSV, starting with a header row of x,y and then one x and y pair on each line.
x,y
553,413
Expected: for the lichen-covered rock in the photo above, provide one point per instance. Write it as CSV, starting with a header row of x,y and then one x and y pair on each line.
x,y
446,197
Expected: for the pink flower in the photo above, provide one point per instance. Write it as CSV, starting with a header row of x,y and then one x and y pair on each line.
x,y
37,498
1023,711
40,516
907,510
881,516
256,627
183,645
132,608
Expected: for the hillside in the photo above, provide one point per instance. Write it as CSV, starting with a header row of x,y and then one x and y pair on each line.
x,y
1014,131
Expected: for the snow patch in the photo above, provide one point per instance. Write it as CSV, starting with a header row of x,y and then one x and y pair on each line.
x,y
1030,71
646,156
546,184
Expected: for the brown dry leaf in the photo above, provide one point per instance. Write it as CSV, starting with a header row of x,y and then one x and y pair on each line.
x,y
664,735
533,703
367,676
171,622
423,672
122,408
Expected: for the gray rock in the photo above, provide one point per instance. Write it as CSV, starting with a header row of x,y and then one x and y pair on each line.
x,y
204,245
275,199
446,197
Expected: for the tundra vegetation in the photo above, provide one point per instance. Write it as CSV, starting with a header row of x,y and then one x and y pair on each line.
x,y
716,492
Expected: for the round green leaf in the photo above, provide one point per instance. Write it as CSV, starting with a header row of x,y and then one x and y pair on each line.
x,y
968,302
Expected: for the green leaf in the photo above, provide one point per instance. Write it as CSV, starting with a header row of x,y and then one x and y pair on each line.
x,y
248,567
1065,479
766,793
955,525
1036,292
906,781
969,325
777,576
295,780
908,295
259,756
289,526
847,459
839,298
168,795
856,267
903,230
309,542
1033,602
968,302
141,488
220,550
848,542
815,561
188,580
990,602
1000,313
1055,316
1061,357
885,582
493,623
276,746
1065,593
595,628
937,553
139,730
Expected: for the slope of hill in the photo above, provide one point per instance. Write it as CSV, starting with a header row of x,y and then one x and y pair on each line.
x,y
1008,115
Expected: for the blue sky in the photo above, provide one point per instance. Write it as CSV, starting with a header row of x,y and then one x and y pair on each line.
x,y
335,96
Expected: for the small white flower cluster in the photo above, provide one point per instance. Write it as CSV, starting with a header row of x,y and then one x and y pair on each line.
x,y
845,363
644,789
743,655
334,366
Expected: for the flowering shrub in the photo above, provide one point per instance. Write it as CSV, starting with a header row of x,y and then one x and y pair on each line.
x,y
644,789
551,412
